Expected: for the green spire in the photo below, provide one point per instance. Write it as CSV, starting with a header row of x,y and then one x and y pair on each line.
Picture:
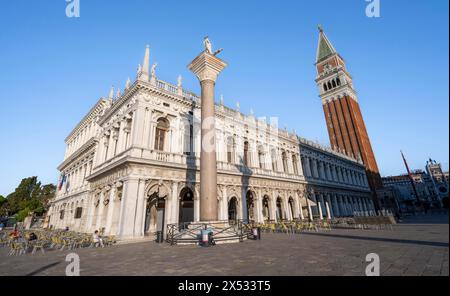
x,y
325,48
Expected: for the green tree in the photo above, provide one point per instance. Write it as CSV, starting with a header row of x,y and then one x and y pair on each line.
x,y
29,196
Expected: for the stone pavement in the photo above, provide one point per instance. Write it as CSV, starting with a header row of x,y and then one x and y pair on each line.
x,y
419,246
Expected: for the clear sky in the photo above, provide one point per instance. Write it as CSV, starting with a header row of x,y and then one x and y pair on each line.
x,y
53,68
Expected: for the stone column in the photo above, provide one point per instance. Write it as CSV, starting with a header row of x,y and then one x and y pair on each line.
x,y
175,202
364,202
310,213
140,210
336,212
90,212
224,204
259,207
315,169
322,206
110,212
319,206
101,207
308,167
207,67
341,206
330,213
128,208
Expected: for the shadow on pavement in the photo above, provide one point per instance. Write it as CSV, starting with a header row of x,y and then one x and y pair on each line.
x,y
390,240
42,269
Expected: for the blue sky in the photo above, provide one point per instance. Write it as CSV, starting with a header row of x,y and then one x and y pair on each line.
x,y
53,69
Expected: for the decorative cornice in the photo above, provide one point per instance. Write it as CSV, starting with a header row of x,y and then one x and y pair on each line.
x,y
82,150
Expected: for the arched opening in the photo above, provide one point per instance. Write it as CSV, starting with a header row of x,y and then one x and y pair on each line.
x,y
291,207
329,85
266,209
230,149
294,164
245,161
261,157
279,211
250,206
162,127
338,81
285,162
333,83
186,210
273,155
325,88
155,211
232,209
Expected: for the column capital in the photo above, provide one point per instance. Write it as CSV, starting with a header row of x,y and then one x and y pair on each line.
x,y
207,66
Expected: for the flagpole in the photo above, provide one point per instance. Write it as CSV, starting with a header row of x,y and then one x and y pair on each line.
x,y
413,184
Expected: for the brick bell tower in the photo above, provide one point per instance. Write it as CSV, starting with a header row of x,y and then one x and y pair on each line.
x,y
345,123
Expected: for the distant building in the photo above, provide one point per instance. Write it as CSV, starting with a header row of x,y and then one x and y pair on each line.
x,y
438,178
431,186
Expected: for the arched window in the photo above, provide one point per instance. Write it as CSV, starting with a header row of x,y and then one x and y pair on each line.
x,y
329,85
333,83
279,211
338,81
294,164
291,207
273,155
245,162
285,162
250,206
230,148
161,131
232,210
266,209
325,87
261,157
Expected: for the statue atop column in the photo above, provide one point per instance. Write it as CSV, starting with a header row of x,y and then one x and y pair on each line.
x,y
206,66
208,47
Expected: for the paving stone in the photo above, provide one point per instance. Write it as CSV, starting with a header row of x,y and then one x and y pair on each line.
x,y
416,247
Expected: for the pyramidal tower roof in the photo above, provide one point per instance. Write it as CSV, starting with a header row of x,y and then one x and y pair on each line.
x,y
324,48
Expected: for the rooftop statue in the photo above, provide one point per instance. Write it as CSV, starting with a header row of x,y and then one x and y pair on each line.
x,y
154,69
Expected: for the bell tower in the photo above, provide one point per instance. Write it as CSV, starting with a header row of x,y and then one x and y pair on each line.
x,y
345,123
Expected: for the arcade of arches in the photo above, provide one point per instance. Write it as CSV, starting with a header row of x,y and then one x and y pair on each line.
x,y
116,210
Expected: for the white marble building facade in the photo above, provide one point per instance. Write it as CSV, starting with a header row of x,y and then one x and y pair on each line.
x,y
132,166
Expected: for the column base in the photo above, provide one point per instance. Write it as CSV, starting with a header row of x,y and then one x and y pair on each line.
x,y
223,233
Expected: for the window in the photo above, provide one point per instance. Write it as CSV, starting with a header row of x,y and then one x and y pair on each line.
x,y
261,158
230,145
294,164
246,153
338,81
285,163
325,87
334,83
274,159
61,214
78,212
106,147
161,130
189,140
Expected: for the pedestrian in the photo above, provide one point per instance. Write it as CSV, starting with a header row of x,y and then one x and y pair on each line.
x,y
97,239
